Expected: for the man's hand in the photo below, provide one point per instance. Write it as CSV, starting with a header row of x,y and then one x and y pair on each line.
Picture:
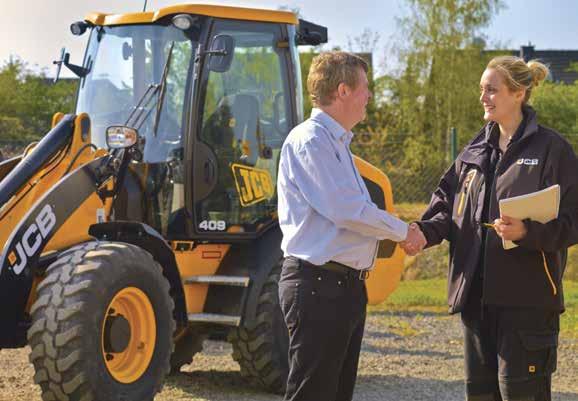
x,y
414,242
510,229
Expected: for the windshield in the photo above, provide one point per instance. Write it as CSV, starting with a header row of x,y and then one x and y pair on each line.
x,y
124,62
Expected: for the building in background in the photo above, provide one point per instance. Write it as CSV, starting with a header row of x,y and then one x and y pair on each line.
x,y
563,64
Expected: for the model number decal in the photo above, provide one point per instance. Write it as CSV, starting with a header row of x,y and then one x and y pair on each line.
x,y
32,239
213,225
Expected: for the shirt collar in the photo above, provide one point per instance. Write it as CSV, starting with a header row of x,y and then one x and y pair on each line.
x,y
336,130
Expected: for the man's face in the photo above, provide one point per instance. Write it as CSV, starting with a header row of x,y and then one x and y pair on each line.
x,y
358,97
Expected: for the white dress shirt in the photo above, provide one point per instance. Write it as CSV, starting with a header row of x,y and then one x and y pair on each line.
x,y
325,211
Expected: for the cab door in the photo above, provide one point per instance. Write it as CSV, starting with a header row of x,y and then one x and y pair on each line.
x,y
245,115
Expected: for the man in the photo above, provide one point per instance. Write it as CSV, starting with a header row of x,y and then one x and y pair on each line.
x,y
330,230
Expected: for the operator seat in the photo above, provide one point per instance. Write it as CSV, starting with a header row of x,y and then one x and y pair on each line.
x,y
232,131
245,112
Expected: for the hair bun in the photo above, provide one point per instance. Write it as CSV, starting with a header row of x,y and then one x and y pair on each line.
x,y
538,70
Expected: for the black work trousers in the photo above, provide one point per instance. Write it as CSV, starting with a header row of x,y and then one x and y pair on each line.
x,y
325,315
510,352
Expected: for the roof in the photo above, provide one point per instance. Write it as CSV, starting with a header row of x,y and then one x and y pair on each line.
x,y
211,10
559,62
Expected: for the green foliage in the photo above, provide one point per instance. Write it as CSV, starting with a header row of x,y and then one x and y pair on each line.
x,y
556,105
305,60
425,295
28,101
438,87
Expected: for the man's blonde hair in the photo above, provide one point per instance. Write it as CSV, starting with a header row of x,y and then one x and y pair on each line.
x,y
330,69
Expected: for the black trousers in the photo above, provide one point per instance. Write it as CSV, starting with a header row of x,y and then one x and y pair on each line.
x,y
510,352
325,314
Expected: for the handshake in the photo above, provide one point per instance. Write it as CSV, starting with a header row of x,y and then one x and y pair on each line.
x,y
415,240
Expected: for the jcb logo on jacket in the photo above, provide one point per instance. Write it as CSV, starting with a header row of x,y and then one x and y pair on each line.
x,y
528,162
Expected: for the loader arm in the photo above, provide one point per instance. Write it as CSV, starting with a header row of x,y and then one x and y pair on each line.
x,y
50,196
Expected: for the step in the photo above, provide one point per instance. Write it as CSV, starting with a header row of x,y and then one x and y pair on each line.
x,y
235,281
226,320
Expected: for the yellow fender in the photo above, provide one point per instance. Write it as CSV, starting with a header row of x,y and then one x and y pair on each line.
x,y
386,274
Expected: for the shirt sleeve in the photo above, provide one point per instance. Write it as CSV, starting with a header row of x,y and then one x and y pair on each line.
x,y
318,174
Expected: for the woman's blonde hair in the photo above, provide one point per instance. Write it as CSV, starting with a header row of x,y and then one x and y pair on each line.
x,y
518,74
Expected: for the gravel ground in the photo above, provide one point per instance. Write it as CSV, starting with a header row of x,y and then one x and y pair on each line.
x,y
405,356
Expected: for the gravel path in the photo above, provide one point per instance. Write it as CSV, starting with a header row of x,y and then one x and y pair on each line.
x,y
406,356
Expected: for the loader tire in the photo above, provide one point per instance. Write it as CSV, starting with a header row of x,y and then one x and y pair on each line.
x,y
261,346
102,325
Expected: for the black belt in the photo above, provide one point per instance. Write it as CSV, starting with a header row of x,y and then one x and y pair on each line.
x,y
340,268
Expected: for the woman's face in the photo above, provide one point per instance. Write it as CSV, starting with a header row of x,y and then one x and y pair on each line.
x,y
500,103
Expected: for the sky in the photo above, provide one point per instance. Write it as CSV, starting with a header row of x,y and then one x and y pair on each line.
x,y
36,30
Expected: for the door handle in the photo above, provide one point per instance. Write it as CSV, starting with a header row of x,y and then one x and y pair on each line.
x,y
209,170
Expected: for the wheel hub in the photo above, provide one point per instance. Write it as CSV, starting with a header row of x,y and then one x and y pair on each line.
x,y
116,334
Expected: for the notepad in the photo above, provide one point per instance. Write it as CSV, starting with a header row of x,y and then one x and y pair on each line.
x,y
541,206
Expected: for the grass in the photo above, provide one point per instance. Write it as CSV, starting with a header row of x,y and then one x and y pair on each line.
x,y
419,295
569,320
429,296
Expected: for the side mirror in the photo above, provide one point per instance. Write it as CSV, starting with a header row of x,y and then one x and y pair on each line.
x,y
121,137
58,64
221,53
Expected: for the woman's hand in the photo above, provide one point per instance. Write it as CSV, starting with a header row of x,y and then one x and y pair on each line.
x,y
510,229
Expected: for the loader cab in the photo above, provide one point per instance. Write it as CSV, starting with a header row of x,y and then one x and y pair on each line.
x,y
210,162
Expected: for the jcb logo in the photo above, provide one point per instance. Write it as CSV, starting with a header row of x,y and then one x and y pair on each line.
x,y
253,184
32,239
527,162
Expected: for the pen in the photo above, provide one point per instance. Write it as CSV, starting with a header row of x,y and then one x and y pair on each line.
x,y
488,225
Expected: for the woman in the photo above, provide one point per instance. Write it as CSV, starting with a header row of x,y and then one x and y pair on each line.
x,y
509,300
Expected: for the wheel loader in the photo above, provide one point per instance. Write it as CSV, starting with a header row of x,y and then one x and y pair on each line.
x,y
146,222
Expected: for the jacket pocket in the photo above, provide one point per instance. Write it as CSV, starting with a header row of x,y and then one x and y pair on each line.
x,y
541,349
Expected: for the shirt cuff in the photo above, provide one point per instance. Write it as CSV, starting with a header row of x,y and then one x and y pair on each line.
x,y
397,228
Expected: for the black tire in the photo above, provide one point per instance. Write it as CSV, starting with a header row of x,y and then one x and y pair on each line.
x,y
261,346
68,323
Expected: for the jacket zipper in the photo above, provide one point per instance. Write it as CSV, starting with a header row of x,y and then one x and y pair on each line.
x,y
492,195
547,270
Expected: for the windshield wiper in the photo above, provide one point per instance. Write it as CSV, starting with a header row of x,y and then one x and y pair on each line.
x,y
137,117
163,89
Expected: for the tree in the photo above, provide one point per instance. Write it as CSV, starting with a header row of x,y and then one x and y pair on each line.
x,y
443,65
436,87
28,101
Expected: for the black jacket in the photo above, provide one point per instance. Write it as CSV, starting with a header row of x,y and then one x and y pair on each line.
x,y
531,274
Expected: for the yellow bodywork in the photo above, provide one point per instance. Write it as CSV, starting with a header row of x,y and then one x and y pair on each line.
x,y
218,11
75,229
203,260
385,276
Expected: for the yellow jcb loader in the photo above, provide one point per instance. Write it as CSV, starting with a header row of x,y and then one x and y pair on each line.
x,y
146,222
